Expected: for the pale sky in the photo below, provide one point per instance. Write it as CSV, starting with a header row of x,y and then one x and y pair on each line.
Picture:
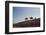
x,y
19,13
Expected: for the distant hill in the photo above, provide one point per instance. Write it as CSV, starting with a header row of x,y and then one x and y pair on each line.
x,y
28,23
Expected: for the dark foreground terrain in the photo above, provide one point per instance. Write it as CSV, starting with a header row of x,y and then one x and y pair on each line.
x,y
28,23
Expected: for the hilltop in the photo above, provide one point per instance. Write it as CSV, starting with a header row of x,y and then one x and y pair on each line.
x,y
28,23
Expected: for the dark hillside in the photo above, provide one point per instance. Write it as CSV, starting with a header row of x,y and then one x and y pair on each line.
x,y
28,23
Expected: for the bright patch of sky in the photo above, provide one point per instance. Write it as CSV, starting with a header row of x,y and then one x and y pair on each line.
x,y
20,13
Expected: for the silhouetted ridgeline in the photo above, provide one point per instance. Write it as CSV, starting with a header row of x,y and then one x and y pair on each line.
x,y
28,23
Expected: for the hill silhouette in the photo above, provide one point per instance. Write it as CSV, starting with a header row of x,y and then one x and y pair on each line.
x,y
28,23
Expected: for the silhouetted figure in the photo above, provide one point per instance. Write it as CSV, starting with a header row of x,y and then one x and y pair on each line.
x,y
35,21
31,17
26,18
35,17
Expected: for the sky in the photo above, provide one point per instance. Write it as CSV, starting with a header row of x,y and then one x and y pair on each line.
x,y
20,13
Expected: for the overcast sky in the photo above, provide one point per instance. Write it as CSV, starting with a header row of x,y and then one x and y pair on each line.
x,y
19,13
